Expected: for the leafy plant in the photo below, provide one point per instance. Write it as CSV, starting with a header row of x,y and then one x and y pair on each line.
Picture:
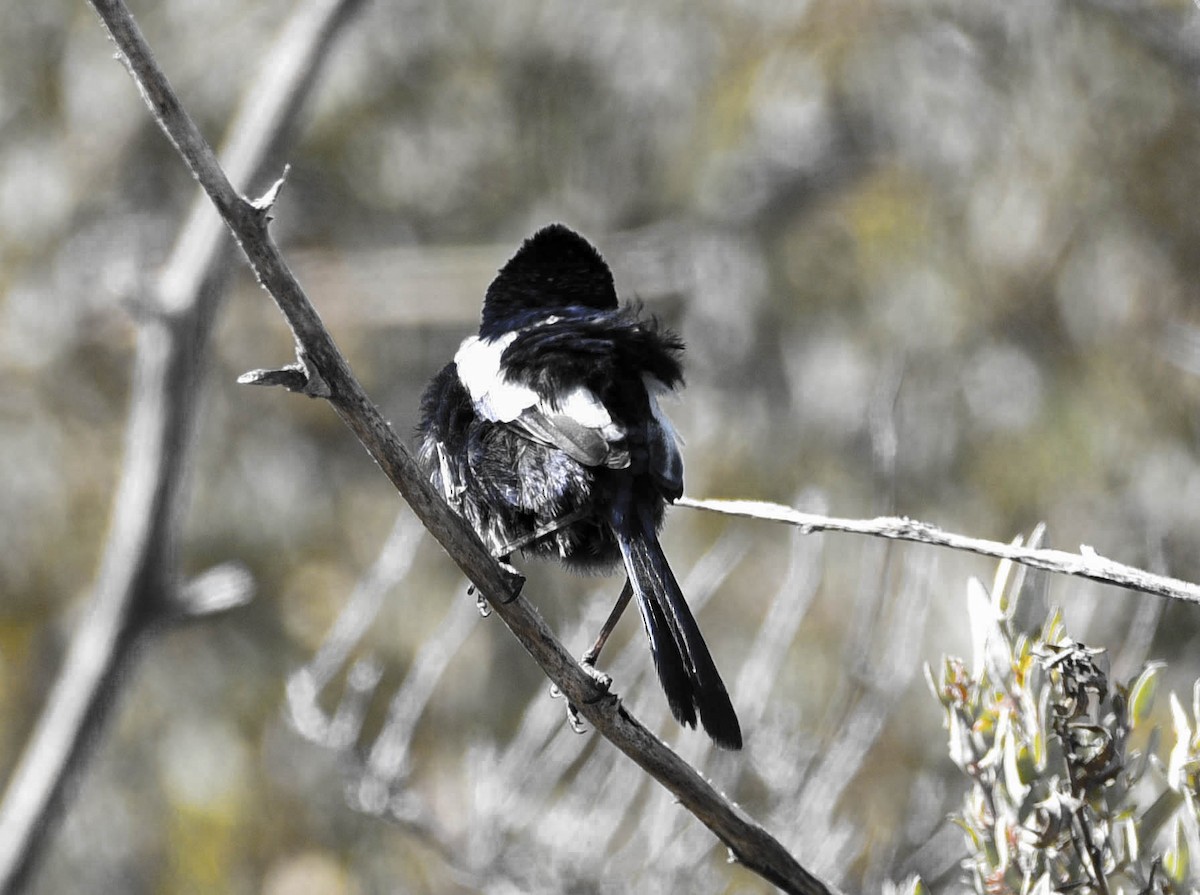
x,y
1060,799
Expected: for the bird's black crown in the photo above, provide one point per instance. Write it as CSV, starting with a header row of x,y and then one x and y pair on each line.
x,y
554,268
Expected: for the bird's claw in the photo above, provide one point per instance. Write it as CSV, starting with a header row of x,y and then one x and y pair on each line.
x,y
517,577
573,720
602,680
481,602
603,683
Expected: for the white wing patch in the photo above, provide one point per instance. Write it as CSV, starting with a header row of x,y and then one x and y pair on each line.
x,y
579,424
582,405
495,397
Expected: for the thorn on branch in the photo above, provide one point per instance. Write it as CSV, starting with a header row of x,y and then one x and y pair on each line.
x,y
264,203
298,377
293,377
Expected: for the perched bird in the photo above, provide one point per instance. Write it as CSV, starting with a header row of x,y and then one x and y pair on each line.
x,y
546,434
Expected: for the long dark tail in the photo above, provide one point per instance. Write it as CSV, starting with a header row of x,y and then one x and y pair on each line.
x,y
685,668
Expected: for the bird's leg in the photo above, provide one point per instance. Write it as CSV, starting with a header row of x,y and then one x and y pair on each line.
x,y
593,654
588,662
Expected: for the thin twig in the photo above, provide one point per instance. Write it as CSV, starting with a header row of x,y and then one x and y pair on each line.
x,y
872,700
136,588
327,374
306,684
1087,563
387,761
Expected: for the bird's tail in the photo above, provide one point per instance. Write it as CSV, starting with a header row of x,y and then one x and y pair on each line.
x,y
685,668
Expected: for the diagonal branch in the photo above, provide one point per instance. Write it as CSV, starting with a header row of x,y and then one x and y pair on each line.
x,y
137,587
328,374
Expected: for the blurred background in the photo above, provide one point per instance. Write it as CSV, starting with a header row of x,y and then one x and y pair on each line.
x,y
929,258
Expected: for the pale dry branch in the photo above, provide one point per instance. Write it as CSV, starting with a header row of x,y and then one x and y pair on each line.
x,y
387,762
137,588
306,684
1087,563
871,700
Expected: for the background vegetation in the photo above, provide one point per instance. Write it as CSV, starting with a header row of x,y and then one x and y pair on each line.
x,y
929,258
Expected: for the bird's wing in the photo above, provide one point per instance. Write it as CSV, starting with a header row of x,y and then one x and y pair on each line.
x,y
578,423
666,462
580,426
496,398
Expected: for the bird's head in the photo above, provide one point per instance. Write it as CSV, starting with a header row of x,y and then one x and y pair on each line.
x,y
554,269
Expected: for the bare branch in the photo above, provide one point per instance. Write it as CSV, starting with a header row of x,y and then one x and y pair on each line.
x,y
305,686
1087,563
136,587
747,840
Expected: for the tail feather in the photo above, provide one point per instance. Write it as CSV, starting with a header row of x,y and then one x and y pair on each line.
x,y
668,661
685,667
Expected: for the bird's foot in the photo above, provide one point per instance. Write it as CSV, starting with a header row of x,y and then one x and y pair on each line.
x,y
481,602
574,721
511,570
603,683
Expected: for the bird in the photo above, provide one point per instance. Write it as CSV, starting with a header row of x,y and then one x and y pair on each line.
x,y
546,433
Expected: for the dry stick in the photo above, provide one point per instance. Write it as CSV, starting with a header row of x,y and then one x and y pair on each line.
x,y
304,686
1087,563
322,371
137,584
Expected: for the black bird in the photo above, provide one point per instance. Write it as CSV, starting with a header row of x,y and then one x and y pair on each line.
x,y
546,434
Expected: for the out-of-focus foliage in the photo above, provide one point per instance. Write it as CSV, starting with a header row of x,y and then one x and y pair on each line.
x,y
1069,789
931,257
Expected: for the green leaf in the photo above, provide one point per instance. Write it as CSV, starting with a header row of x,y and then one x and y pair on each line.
x,y
911,886
1003,600
1001,841
1177,859
1017,789
1054,630
980,617
937,691
1142,693
1181,751
1038,733
1196,704
1126,835
962,748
